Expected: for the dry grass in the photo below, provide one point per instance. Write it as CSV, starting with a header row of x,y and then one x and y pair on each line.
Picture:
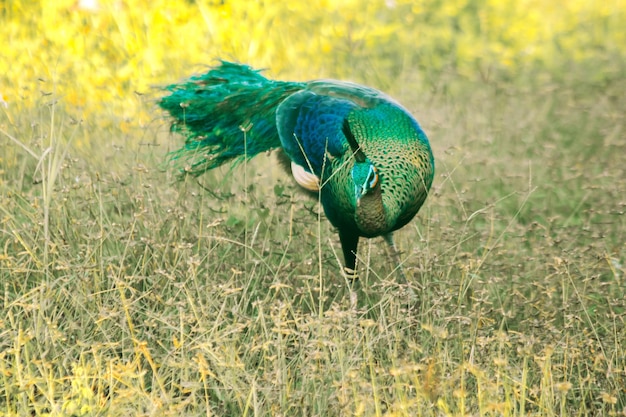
x,y
125,292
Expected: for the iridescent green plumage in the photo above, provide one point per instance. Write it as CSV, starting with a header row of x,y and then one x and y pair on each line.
x,y
371,158
213,110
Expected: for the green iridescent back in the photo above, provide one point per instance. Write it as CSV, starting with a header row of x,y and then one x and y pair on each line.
x,y
399,150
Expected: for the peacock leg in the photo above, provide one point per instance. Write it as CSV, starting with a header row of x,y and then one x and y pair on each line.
x,y
395,258
349,244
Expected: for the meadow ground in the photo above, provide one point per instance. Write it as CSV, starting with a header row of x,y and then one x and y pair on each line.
x,y
125,292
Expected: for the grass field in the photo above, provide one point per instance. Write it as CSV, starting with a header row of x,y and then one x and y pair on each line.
x,y
125,292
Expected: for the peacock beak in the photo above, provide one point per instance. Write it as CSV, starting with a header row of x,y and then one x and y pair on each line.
x,y
360,191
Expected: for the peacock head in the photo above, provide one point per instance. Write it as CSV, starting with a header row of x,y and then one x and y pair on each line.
x,y
365,178
364,173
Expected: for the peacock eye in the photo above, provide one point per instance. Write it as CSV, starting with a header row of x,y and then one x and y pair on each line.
x,y
372,179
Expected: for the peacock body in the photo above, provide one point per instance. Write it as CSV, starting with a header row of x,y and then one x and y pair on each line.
x,y
365,155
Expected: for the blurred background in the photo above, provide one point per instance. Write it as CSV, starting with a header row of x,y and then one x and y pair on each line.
x,y
99,55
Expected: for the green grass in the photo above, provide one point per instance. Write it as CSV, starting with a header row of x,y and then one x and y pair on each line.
x,y
128,293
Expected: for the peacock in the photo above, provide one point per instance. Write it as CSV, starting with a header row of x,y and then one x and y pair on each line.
x,y
361,152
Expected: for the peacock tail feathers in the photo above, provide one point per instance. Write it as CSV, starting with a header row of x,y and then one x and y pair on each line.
x,y
217,110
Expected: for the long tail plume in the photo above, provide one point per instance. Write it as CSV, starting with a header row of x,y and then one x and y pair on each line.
x,y
215,111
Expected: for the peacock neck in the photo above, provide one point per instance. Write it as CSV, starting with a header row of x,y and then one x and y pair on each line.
x,y
371,217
